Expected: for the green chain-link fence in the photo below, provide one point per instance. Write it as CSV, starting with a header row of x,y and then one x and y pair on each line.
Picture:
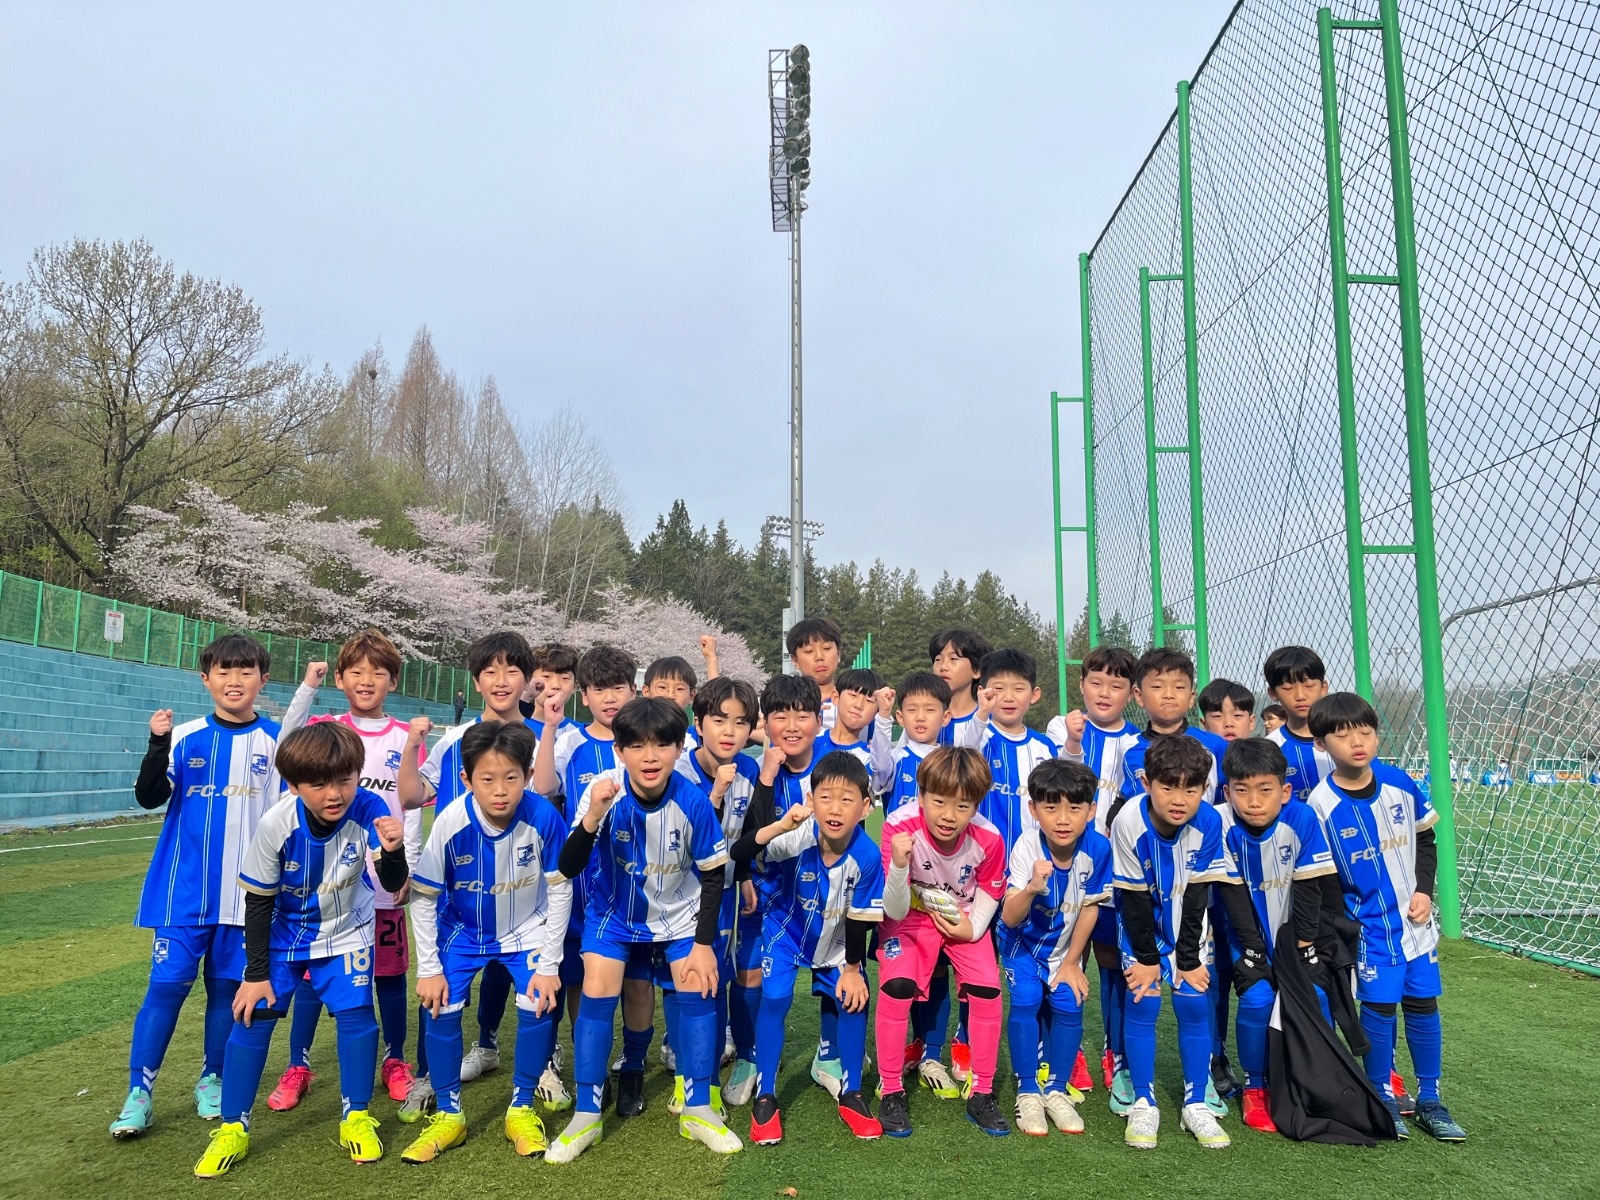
x,y
1327,366
43,614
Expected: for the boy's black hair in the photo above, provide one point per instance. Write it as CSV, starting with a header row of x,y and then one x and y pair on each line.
x,y
556,657
510,738
813,629
859,679
967,643
923,683
1218,690
320,753
1008,662
671,667
650,719
1113,660
234,650
1252,756
504,643
1338,711
1293,664
791,693
1061,781
1177,762
708,701
606,667
836,764
1275,710
1161,660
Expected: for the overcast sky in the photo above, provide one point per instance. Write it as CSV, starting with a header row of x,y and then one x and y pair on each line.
x,y
573,198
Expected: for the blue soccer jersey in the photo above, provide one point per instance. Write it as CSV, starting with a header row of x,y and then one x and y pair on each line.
x,y
223,782
1133,763
873,752
735,802
1103,752
324,898
1308,766
644,877
442,768
1011,761
805,921
581,758
1291,848
902,789
1374,844
1046,932
1142,860
487,891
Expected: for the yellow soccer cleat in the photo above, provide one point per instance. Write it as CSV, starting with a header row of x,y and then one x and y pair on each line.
x,y
444,1131
358,1133
230,1142
525,1131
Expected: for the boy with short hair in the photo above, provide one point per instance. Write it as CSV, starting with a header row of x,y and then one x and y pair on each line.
x,y
1010,677
216,777
826,893
862,726
814,645
1272,716
490,889
1059,876
673,678
555,669
1296,679
957,658
945,873
1278,847
1379,826
308,908
648,832
1227,709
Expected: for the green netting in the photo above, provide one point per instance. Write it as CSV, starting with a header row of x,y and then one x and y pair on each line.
x,y
1503,103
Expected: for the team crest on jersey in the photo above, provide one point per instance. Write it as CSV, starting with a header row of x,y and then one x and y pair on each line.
x,y
258,764
674,841
350,855
159,950
196,763
891,947
739,806
1398,811
524,855
966,875
391,761
1191,860
1285,855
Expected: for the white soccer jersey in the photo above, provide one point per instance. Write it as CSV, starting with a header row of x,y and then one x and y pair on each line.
x,y
1046,931
1291,848
1308,766
1143,860
1103,751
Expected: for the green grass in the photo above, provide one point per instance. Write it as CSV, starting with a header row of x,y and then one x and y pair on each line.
x,y
1520,1073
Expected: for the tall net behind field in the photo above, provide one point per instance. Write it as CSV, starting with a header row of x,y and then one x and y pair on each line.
x,y
1504,113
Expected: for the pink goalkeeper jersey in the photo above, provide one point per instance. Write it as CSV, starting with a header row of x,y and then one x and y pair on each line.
x,y
978,861
379,773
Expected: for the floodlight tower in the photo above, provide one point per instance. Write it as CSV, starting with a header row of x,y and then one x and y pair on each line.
x,y
789,174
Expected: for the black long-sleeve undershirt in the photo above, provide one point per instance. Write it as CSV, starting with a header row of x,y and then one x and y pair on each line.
x,y
576,851
1242,916
258,910
1139,919
1306,896
1196,899
153,789
855,941
1427,861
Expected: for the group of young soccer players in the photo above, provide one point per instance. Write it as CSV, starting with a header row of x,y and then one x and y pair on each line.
x,y
585,868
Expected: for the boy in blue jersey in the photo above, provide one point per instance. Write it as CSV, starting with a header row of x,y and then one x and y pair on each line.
x,y
862,725
489,889
555,674
1167,849
1010,678
956,656
656,859
1227,709
309,908
1296,679
814,645
215,775
1059,875
1278,846
827,892
1379,826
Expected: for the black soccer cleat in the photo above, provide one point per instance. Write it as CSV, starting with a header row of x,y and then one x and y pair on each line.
x,y
894,1114
630,1093
1435,1120
1222,1077
984,1112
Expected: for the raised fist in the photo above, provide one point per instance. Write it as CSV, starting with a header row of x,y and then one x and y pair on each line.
x,y
391,833
1041,876
900,847
161,722
421,727
885,698
316,672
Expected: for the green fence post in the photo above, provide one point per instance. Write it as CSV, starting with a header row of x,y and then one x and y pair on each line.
x,y
77,616
38,610
146,658
1085,330
1429,632
1158,633
1191,379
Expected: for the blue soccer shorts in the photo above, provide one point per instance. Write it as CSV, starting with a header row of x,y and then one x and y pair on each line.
x,y
460,969
607,946
749,942
177,950
1380,981
342,981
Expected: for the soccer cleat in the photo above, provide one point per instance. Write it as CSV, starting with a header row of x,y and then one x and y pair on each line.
x,y
1256,1115
1198,1120
419,1101
678,1102
669,1058
894,1114
914,1049
1215,1104
1108,1068
984,1112
1031,1118
397,1077
828,1074
630,1094
1401,1129
932,1075
714,1135
208,1098
444,1131
766,1122
1081,1081
1122,1096
729,1052
292,1087
1144,1123
1062,1112
1222,1079
479,1060
858,1118
741,1085
525,1131
960,1061
1435,1120
358,1133
1397,1085
229,1143
135,1116
552,1091
575,1138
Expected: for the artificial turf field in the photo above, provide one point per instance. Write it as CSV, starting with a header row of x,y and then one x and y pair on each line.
x,y
1522,1073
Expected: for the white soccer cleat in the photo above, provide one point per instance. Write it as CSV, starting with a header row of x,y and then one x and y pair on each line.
x,y
932,1075
479,1060
1144,1122
1063,1112
552,1091
669,1059
1030,1115
713,1135
727,1046
1200,1121
575,1138
741,1086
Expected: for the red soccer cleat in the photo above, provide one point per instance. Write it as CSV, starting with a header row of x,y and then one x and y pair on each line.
x,y
1081,1079
960,1060
1108,1067
291,1089
914,1050
1255,1110
858,1118
1397,1085
766,1122
397,1077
